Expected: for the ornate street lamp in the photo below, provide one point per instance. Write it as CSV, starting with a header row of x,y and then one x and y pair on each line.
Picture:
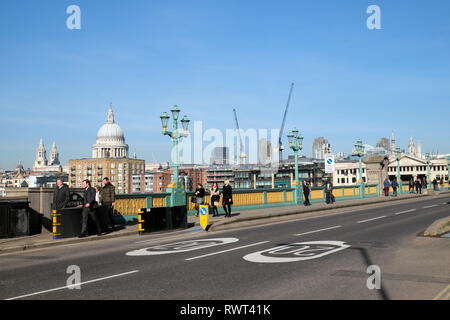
x,y
398,152
296,144
428,158
177,193
359,151
448,170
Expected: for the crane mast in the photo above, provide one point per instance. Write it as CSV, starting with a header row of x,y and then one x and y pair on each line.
x,y
242,154
280,142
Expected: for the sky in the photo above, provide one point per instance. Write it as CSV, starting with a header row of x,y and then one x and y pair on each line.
x,y
209,57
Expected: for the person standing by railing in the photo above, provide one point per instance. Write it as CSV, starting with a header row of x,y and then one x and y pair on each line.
x,y
306,192
200,196
227,198
395,186
215,197
386,185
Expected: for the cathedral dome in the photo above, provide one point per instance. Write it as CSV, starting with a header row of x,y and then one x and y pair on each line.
x,y
110,142
110,131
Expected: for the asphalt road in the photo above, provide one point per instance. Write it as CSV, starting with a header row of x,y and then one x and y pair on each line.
x,y
240,265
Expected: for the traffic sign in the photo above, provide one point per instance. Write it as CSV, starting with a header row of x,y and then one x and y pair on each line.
x,y
329,164
204,216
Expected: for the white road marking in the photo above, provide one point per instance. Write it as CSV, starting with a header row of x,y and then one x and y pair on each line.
x,y
295,252
232,249
302,234
402,212
73,285
371,219
434,205
183,246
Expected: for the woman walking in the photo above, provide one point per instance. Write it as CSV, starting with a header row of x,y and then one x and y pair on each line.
x,y
227,198
200,195
306,191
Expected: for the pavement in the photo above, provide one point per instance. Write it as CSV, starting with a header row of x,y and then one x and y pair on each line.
x,y
326,256
242,218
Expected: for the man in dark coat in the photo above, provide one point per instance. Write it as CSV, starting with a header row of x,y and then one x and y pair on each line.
x,y
227,198
108,194
89,204
61,195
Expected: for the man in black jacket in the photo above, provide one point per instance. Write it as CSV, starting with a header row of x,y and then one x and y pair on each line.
x,y
61,195
89,204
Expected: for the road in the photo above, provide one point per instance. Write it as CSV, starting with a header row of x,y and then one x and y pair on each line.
x,y
238,264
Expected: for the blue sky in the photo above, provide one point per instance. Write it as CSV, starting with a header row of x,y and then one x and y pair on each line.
x,y
212,56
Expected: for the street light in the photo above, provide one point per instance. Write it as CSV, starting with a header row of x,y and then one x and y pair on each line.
x,y
177,195
428,157
359,151
296,144
398,151
448,170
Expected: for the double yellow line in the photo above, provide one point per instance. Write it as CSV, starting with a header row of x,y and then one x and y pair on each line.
x,y
444,294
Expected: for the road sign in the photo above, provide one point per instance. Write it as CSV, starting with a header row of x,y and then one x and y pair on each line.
x,y
204,216
329,164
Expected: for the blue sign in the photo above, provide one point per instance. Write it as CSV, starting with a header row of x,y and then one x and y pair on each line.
x,y
329,161
203,211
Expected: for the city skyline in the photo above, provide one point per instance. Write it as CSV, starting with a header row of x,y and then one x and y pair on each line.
x,y
209,58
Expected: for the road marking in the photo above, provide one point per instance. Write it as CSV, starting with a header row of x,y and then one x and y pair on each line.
x,y
73,285
295,252
434,205
232,249
371,219
406,211
441,294
183,246
302,234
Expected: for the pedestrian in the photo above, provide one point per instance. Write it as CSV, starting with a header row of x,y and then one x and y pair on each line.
x,y
215,197
88,210
417,184
435,184
108,198
420,186
424,183
306,192
411,185
395,186
200,196
98,195
386,185
328,192
61,195
227,198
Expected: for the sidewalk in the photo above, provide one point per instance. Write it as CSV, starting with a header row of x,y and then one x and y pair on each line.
x,y
45,239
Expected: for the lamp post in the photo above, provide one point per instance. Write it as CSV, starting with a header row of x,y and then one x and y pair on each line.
x,y
296,144
448,170
359,151
428,158
399,179
177,193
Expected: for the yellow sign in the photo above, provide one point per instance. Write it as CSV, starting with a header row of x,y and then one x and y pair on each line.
x,y
204,216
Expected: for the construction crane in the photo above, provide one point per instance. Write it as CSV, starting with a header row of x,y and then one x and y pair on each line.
x,y
242,154
280,142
